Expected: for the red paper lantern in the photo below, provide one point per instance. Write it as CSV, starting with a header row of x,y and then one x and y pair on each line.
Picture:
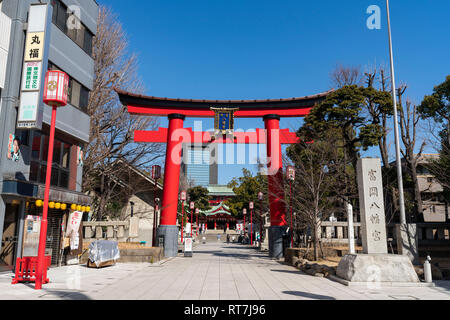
x,y
56,88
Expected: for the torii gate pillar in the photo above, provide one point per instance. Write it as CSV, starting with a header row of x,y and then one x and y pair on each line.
x,y
168,224
278,224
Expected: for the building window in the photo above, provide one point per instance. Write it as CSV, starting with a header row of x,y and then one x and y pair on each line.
x,y
61,160
82,36
78,95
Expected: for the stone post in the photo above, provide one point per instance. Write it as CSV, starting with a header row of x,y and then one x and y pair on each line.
x,y
373,220
110,232
340,232
351,229
98,232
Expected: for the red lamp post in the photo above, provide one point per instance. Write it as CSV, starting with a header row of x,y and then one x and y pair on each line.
x,y
251,206
197,211
291,178
183,199
55,95
156,175
192,207
244,212
260,198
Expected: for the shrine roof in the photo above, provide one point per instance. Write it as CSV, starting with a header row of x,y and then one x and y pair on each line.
x,y
220,190
221,208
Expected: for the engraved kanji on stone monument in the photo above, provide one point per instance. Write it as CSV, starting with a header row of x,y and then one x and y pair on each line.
x,y
373,221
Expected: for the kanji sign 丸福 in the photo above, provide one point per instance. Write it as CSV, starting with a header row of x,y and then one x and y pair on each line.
x,y
34,49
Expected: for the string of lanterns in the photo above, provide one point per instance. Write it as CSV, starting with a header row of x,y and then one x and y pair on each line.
x,y
63,206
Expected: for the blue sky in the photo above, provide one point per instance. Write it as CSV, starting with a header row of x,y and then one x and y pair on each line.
x,y
255,49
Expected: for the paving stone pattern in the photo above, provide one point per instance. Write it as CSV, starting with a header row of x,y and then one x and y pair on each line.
x,y
217,271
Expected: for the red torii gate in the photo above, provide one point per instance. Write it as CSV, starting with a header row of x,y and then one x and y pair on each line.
x,y
271,110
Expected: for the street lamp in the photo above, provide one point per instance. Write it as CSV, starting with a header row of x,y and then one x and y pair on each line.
x,y
251,206
291,178
156,175
55,95
192,206
183,199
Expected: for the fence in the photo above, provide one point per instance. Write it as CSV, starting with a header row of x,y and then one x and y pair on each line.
x,y
337,232
428,233
109,230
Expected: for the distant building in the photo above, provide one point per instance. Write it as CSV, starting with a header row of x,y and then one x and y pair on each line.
x,y
435,206
199,165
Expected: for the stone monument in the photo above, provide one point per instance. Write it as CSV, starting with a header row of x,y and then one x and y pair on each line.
x,y
375,265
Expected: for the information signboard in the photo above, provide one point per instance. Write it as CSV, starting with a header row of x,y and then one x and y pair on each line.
x,y
188,247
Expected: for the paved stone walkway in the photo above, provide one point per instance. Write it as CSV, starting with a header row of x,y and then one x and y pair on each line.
x,y
216,272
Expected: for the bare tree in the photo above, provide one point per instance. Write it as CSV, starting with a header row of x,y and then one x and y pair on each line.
x,y
409,120
112,127
319,168
343,76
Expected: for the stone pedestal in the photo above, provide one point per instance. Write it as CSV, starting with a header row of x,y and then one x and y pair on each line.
x,y
407,241
170,234
383,269
276,241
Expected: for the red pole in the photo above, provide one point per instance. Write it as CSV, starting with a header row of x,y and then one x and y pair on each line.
x,y
192,221
197,225
261,221
251,227
290,204
155,216
182,220
43,234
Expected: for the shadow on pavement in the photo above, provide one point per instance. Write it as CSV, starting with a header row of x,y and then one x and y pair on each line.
x,y
68,295
59,294
309,295
442,285
287,271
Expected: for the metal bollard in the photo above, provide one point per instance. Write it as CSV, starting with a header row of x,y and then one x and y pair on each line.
x,y
427,270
